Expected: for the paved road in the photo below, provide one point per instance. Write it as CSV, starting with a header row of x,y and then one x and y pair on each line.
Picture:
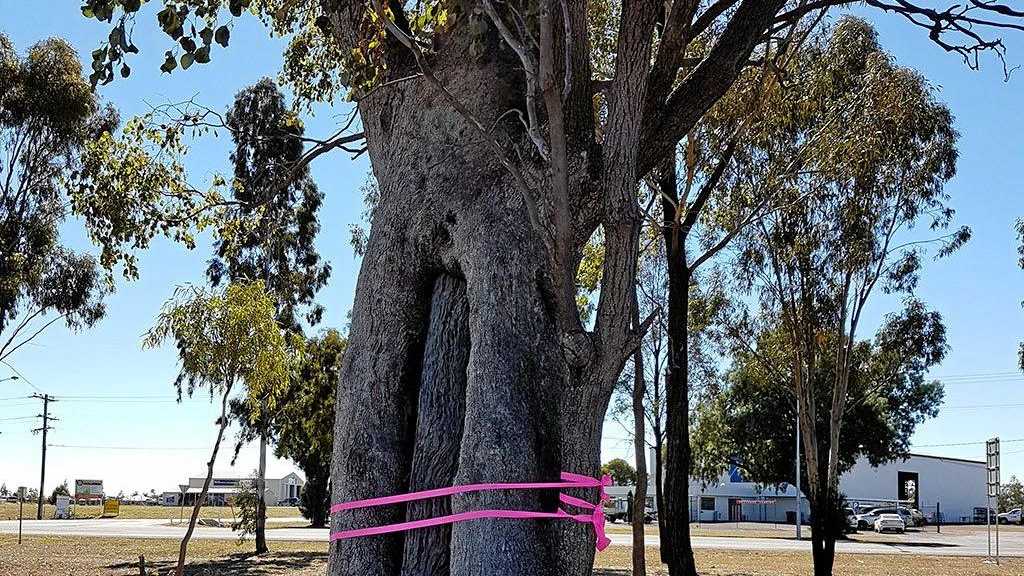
x,y
971,543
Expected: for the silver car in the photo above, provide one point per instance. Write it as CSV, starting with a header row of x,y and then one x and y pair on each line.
x,y
890,523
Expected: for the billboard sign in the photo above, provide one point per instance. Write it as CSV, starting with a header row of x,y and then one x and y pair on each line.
x,y
88,489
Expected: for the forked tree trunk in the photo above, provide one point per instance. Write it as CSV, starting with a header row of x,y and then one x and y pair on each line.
x,y
447,208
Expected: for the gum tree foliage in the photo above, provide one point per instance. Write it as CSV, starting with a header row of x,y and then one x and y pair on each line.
x,y
47,115
622,473
1011,495
888,396
225,338
499,133
277,206
850,228
304,429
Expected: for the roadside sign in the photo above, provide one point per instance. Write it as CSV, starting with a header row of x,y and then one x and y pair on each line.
x,y
111,507
63,507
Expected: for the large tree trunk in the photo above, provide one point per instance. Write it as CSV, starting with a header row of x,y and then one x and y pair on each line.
x,y
441,412
447,207
515,376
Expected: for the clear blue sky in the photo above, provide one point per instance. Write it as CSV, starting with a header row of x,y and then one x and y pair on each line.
x,y
978,290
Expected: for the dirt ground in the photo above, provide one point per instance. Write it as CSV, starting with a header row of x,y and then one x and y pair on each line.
x,y
77,556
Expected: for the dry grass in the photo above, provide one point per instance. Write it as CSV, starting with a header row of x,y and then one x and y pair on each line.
x,y
616,561
9,511
79,556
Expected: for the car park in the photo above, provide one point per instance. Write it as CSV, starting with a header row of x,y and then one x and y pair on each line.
x,y
890,523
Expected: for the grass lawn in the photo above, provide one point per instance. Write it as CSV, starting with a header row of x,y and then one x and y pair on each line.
x,y
9,511
80,556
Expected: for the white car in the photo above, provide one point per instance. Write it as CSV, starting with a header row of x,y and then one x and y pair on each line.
x,y
890,522
866,519
1011,517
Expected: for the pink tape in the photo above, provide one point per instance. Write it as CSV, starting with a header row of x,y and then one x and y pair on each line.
x,y
569,481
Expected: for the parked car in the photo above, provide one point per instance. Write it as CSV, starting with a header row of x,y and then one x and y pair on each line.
x,y
851,519
288,502
918,518
1011,517
866,519
890,523
907,514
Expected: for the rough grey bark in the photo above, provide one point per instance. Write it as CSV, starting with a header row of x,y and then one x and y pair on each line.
x,y
440,415
515,373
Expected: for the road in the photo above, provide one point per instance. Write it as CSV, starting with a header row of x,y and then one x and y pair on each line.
x,y
956,543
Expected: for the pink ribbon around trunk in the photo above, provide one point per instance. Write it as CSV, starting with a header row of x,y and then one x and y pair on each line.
x,y
569,481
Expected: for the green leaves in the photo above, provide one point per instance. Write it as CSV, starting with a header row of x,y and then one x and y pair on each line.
x,y
222,36
49,114
170,63
225,337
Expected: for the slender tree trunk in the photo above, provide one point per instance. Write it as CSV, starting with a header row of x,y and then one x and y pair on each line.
x,y
441,412
675,537
222,423
640,447
823,531
261,503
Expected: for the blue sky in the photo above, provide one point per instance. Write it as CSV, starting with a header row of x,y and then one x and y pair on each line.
x,y
978,290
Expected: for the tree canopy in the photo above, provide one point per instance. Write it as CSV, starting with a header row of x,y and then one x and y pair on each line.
x,y
888,396
622,473
48,114
277,206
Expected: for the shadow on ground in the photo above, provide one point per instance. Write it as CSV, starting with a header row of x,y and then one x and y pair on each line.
x,y
275,563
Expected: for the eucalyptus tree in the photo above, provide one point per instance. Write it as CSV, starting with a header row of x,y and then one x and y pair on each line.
x,y
848,231
224,339
888,397
304,426
47,114
495,167
273,238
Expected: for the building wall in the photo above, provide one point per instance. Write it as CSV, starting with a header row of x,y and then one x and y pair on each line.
x,y
958,485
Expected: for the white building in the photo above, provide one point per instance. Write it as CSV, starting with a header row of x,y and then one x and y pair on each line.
x,y
932,484
279,490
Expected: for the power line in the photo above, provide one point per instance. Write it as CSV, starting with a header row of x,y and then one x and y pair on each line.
x,y
18,418
981,443
22,376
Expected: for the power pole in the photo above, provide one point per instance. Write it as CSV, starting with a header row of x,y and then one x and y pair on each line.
x,y
46,398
